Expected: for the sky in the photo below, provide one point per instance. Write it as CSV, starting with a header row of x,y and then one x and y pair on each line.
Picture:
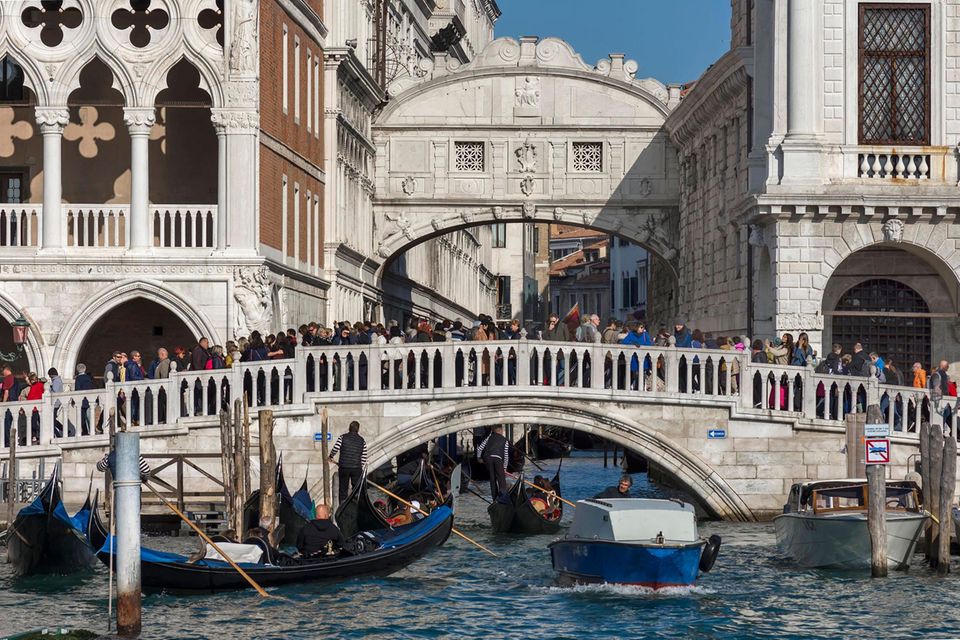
x,y
673,41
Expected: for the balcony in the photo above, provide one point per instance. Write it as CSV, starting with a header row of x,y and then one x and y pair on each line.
x,y
99,227
900,165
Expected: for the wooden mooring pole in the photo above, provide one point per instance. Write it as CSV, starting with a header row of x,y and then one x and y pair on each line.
x,y
325,453
877,507
948,480
226,465
127,488
932,497
925,485
12,478
268,473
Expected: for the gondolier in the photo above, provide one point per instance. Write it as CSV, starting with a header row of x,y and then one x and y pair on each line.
x,y
353,458
494,452
109,461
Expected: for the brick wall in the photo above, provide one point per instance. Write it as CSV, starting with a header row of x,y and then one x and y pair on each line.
x,y
295,132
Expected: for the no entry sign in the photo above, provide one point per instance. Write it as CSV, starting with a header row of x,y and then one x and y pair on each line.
x,y
878,450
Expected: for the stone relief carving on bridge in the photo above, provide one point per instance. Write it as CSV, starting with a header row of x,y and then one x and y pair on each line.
x,y
409,185
527,93
256,295
799,322
527,185
893,230
527,157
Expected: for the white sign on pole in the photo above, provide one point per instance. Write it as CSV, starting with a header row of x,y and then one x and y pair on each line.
x,y
879,430
878,451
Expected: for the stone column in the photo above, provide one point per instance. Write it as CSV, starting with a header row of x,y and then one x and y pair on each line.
x,y
219,125
139,121
51,121
239,212
801,146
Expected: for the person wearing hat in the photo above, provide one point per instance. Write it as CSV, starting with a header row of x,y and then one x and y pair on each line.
x,y
622,490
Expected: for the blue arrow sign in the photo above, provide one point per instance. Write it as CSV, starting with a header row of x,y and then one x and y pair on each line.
x,y
715,434
318,437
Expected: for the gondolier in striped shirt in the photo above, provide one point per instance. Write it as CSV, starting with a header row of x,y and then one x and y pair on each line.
x,y
353,458
494,452
109,461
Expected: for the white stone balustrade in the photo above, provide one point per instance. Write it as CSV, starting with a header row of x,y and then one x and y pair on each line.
x,y
464,370
96,226
890,165
20,225
184,226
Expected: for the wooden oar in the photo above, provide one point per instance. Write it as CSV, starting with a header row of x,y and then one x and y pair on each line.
x,y
469,479
210,542
554,493
396,497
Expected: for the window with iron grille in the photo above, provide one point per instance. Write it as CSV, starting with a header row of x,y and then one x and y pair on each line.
x,y
894,73
588,156
468,156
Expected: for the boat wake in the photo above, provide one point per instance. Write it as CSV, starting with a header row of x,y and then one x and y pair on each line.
x,y
626,590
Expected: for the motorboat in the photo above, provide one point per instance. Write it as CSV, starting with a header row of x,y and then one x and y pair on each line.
x,y
633,541
824,523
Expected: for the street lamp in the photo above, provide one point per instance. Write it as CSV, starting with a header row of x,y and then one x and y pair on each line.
x,y
20,328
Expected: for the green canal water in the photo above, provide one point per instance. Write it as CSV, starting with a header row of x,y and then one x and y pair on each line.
x,y
459,592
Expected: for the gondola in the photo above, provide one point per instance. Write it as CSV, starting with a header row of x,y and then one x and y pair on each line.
x,y
543,448
357,513
390,550
44,538
296,510
517,514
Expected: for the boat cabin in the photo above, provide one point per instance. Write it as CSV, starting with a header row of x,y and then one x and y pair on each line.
x,y
831,496
634,519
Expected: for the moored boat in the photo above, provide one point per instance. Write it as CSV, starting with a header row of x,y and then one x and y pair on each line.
x,y
295,510
384,551
519,514
44,538
824,524
633,541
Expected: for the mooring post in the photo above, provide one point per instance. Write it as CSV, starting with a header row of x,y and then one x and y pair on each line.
x,y
12,478
935,449
127,490
268,473
925,485
877,507
948,480
604,454
324,453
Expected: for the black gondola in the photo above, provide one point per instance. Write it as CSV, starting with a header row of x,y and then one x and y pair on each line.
x,y
543,448
295,510
518,515
393,550
45,539
357,513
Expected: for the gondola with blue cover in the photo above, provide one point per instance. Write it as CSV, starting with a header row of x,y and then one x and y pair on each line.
x,y
295,511
44,538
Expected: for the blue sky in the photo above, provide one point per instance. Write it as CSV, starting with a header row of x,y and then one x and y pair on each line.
x,y
672,40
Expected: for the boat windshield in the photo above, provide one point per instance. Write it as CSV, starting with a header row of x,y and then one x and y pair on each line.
x,y
854,497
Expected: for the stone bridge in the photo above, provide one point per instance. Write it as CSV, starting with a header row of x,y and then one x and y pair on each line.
x,y
782,424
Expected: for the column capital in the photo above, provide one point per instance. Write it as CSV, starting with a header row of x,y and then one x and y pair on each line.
x,y
52,119
139,120
235,120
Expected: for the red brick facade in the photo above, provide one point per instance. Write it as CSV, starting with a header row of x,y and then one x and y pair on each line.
x,y
294,136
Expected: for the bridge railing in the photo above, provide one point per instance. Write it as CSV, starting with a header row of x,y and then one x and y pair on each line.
x,y
376,373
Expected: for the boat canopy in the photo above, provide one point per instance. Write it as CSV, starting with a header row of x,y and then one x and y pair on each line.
x,y
633,519
850,489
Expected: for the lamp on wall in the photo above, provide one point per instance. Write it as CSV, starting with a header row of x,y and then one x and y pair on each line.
x,y
20,328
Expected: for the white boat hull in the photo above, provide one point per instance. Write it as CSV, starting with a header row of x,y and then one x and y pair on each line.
x,y
842,541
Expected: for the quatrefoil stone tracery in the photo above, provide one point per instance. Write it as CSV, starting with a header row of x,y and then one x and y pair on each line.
x,y
53,18
140,19
213,19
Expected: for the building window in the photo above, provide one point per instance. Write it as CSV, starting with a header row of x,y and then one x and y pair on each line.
x,y
11,81
468,156
316,96
499,235
625,292
296,79
894,74
536,240
284,209
503,290
11,187
286,72
588,156
309,91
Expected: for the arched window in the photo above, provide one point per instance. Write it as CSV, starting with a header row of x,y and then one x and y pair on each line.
x,y
885,316
11,81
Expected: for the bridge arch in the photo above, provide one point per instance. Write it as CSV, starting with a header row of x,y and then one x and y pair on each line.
x,y
695,474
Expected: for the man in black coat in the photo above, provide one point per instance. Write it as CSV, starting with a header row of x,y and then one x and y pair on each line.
x,y
494,452
622,490
320,536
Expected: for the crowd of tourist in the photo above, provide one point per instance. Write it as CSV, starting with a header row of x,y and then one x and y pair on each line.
x,y
784,350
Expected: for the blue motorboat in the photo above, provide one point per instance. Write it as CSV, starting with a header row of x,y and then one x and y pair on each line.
x,y
633,541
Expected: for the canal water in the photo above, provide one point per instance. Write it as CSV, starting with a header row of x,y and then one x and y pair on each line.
x,y
459,592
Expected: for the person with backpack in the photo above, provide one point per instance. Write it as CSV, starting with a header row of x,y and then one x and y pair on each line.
x,y
940,389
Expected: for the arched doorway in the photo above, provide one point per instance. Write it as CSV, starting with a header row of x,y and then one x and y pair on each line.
x,y
136,325
886,316
900,303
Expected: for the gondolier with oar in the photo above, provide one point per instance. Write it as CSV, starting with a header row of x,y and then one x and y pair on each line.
x,y
353,458
109,461
494,452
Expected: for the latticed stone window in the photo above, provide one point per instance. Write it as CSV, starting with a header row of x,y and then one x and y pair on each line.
x,y
468,156
894,74
588,156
